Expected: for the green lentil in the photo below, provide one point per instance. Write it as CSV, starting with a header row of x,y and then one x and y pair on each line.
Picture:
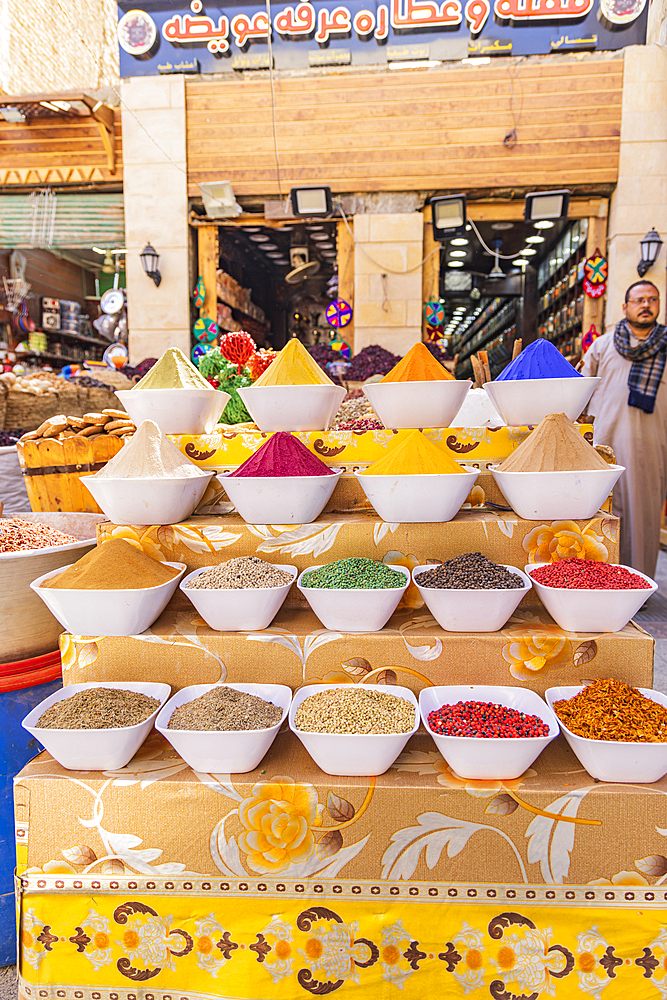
x,y
352,574
354,710
99,708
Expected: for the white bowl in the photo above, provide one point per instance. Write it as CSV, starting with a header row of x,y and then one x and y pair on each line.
x,y
107,612
280,499
488,759
148,501
355,610
176,411
95,749
417,404
557,496
29,629
248,610
615,760
292,407
233,752
526,401
471,610
409,499
354,755
592,610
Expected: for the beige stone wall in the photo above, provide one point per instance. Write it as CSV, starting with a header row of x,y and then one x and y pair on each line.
x,y
50,45
639,202
388,307
156,212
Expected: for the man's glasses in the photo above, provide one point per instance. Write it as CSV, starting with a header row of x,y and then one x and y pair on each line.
x,y
653,301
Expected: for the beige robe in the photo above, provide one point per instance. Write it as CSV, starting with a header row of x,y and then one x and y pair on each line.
x,y
639,441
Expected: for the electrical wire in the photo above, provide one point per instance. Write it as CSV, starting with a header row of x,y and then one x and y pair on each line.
x,y
273,98
494,253
383,268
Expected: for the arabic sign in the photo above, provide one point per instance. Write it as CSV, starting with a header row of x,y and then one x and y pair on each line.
x,y
157,39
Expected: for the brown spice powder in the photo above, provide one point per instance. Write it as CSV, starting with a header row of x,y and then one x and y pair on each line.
x,y
99,708
554,446
113,565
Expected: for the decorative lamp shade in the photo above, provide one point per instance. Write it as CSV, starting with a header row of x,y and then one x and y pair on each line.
x,y
651,246
150,259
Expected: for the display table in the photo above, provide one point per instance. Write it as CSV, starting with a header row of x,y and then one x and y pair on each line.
x,y
156,882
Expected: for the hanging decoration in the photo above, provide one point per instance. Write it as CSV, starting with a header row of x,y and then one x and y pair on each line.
x,y
596,270
434,313
588,338
205,330
339,313
342,346
199,294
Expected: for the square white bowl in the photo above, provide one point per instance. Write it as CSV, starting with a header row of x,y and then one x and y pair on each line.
x,y
418,499
592,610
433,403
148,501
223,752
557,496
615,760
245,610
359,609
489,759
471,610
280,499
107,612
292,407
353,754
526,401
95,749
176,411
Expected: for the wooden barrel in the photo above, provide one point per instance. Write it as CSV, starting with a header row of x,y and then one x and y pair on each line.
x,y
54,471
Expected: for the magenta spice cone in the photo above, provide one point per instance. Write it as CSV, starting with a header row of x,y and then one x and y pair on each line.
x,y
283,455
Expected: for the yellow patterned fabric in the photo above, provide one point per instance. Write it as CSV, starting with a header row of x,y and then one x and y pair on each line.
x,y
268,940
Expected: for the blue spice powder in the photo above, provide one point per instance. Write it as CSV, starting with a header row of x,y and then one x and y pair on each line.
x,y
538,360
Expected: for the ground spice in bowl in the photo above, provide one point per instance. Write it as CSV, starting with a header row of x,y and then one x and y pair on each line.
x,y
470,571
283,455
99,708
418,365
172,371
587,574
415,455
353,574
554,446
541,359
293,366
17,535
244,573
354,710
611,710
485,720
149,454
224,709
113,565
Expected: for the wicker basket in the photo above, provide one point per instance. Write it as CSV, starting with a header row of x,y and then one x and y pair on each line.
x,y
28,411
53,471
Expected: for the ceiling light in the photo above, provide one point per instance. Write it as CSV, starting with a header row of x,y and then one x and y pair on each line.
x,y
252,229
275,256
260,238
520,261
500,226
311,201
458,253
535,239
325,246
546,205
528,252
459,242
545,224
319,236
454,263
268,246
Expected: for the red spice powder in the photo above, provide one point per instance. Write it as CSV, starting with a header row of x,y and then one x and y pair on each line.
x,y
283,455
586,574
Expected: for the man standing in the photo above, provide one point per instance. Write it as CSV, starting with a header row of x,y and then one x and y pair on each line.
x,y
630,410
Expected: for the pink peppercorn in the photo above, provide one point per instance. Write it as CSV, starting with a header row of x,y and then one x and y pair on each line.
x,y
485,720
587,574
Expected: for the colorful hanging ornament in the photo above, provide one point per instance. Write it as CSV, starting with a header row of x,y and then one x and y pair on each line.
x,y
433,334
199,294
588,338
342,346
434,313
339,313
205,330
198,351
596,270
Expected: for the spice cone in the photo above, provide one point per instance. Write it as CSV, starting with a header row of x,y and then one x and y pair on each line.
x,y
554,446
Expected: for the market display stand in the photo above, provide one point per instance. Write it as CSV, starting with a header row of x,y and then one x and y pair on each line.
x,y
158,882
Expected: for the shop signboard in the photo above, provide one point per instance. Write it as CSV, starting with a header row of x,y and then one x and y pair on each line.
x,y
159,36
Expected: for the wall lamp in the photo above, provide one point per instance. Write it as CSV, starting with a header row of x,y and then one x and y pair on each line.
x,y
448,216
311,202
542,205
150,259
650,248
